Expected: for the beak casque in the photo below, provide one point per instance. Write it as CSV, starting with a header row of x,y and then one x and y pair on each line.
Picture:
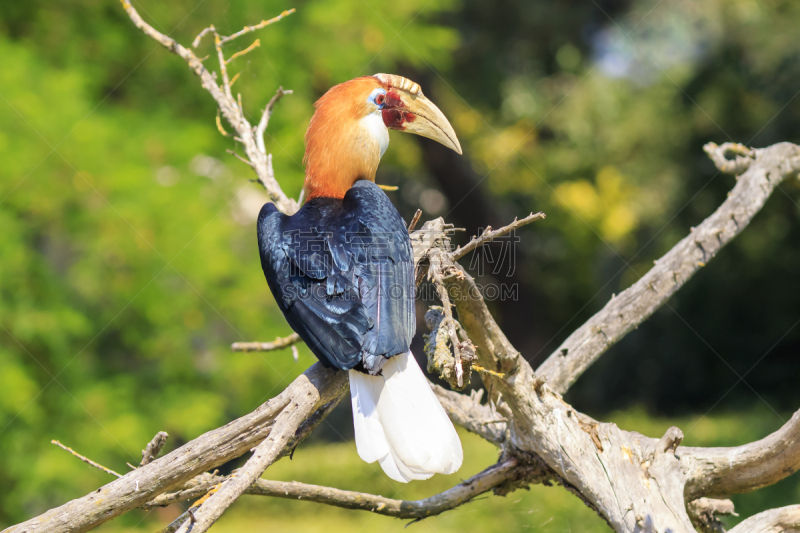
x,y
416,114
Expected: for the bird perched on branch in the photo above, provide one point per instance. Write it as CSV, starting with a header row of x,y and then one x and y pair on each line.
x,y
342,271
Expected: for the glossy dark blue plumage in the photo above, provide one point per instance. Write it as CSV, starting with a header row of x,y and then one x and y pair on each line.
x,y
342,272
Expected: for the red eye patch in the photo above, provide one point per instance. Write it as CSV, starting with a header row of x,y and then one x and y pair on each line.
x,y
394,114
380,99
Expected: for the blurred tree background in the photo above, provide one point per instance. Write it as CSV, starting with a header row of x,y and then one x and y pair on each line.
x,y
128,261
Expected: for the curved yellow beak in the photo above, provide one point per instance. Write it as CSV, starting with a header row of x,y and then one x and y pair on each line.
x,y
407,109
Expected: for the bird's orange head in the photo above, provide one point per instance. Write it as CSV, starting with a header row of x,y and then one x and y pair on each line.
x,y
349,131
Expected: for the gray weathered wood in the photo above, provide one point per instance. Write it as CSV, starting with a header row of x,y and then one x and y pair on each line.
x,y
206,452
767,168
723,471
781,520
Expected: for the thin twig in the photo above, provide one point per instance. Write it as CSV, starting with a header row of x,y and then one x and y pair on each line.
x,y
262,24
240,158
85,459
234,78
226,84
479,368
489,234
240,53
220,128
414,220
743,157
202,34
277,344
265,116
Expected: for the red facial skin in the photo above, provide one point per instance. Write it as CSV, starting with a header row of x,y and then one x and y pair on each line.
x,y
394,114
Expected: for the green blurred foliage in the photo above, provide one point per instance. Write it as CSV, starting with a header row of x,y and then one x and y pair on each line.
x,y
128,261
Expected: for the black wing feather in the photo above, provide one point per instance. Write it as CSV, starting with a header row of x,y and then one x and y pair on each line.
x,y
342,273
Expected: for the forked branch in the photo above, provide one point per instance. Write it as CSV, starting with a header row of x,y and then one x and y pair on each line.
x,y
230,107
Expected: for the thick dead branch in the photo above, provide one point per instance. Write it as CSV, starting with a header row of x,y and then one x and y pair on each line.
x,y
303,403
615,471
704,513
230,108
631,480
277,344
782,520
208,451
765,169
721,471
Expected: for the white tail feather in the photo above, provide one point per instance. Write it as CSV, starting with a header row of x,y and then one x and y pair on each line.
x,y
399,422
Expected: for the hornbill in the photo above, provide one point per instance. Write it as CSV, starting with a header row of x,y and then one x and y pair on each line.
x,y
342,271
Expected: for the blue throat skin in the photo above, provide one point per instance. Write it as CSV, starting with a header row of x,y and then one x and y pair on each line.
x,y
342,273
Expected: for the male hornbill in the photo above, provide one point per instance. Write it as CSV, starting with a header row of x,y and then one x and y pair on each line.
x,y
342,271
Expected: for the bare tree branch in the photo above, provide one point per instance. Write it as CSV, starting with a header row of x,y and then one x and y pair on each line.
x,y
450,499
85,459
231,109
722,471
265,116
489,235
704,513
414,220
277,344
612,471
782,520
742,157
303,403
507,470
248,29
765,169
154,447
208,451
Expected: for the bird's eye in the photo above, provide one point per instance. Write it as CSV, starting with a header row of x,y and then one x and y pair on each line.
x,y
380,99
